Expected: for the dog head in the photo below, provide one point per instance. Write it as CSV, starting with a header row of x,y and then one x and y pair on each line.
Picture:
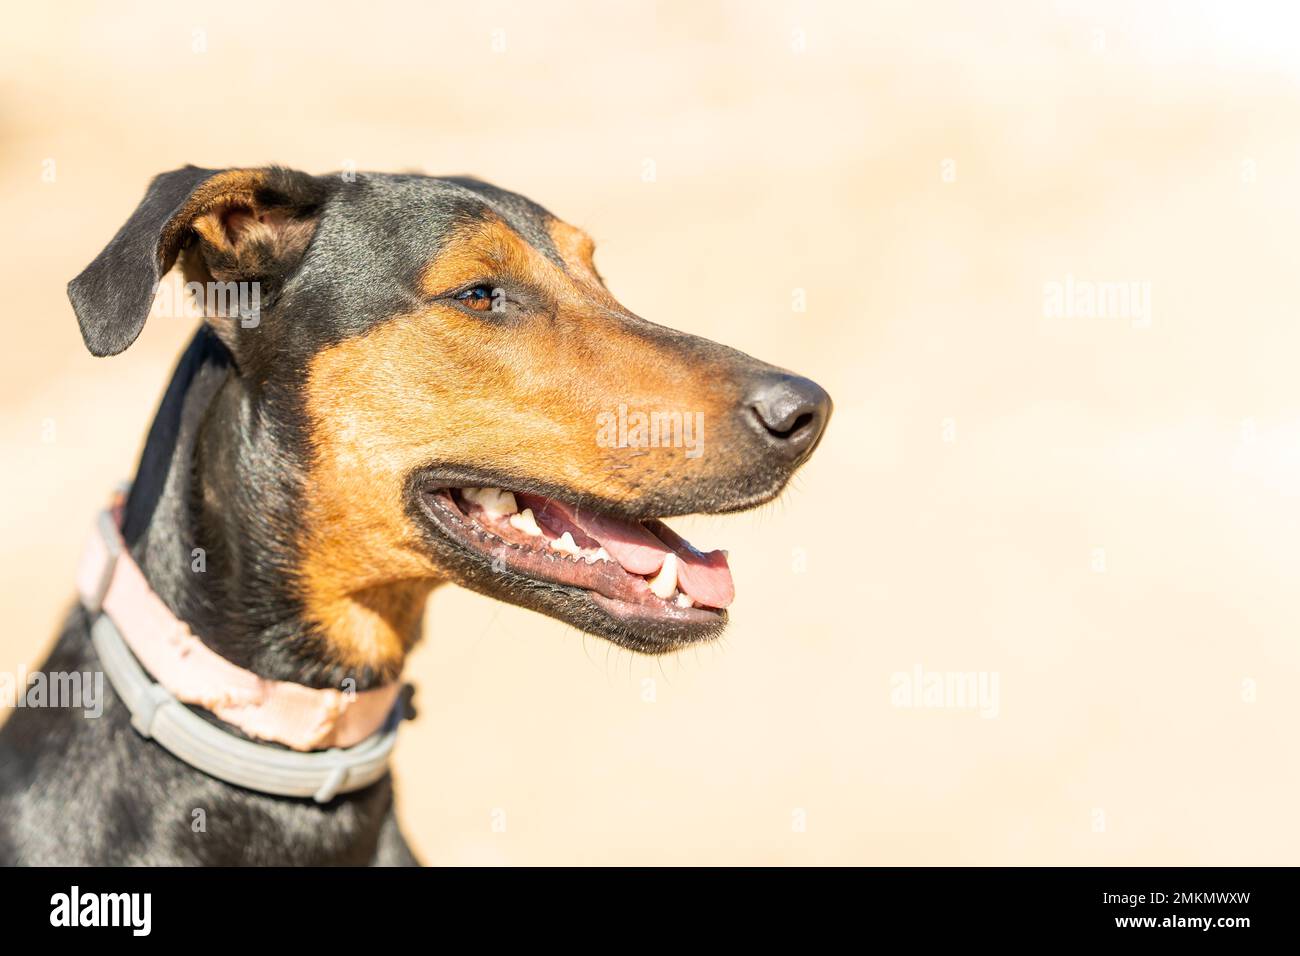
x,y
458,396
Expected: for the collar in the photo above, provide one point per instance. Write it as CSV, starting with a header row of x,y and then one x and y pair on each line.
x,y
339,741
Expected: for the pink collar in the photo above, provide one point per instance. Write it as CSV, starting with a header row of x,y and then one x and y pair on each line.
x,y
300,717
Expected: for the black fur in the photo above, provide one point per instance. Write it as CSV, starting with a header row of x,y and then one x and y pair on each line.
x,y
112,295
92,791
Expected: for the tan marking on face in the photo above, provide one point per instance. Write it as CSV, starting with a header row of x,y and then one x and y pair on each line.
x,y
443,385
576,248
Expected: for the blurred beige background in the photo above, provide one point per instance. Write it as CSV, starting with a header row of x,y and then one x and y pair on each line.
x,y
1098,511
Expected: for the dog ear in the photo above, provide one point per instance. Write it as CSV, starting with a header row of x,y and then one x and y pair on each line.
x,y
240,225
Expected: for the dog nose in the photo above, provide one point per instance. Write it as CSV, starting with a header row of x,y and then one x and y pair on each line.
x,y
791,413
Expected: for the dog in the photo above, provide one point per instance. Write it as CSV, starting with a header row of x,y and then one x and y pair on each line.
x,y
431,383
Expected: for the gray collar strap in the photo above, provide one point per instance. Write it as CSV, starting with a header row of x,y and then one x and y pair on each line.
x,y
135,634
160,717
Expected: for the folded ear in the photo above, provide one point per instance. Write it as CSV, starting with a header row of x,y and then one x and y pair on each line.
x,y
242,225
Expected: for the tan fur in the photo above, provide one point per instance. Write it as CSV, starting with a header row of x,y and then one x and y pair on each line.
x,y
577,249
441,385
242,243
236,187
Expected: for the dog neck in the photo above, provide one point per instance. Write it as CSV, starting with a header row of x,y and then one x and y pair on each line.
x,y
213,515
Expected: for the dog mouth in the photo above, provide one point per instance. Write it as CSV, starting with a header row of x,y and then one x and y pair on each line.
x,y
653,583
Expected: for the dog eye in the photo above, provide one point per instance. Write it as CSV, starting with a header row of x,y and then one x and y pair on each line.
x,y
478,298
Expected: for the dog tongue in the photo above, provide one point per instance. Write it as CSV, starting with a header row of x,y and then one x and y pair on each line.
x,y
705,577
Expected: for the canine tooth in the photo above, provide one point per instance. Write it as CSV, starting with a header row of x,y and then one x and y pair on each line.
x,y
565,543
493,501
664,583
525,521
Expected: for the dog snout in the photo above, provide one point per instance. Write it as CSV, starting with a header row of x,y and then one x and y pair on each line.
x,y
789,414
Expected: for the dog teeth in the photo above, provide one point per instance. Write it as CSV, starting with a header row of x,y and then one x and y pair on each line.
x,y
664,583
684,600
600,554
495,502
566,544
525,521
